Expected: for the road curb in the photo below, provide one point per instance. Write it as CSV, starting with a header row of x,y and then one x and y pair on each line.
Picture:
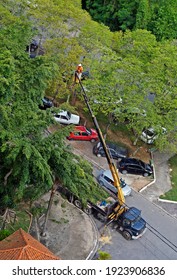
x,y
96,243
167,201
154,175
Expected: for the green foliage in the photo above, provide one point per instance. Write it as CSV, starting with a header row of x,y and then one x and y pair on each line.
x,y
172,194
159,17
123,67
104,255
4,233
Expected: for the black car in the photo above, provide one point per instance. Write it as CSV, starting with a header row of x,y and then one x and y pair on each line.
x,y
135,166
116,152
46,103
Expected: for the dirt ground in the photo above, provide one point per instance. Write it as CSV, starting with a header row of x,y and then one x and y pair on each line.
x,y
70,233
141,152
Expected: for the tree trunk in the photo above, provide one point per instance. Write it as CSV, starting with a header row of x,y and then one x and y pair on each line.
x,y
49,207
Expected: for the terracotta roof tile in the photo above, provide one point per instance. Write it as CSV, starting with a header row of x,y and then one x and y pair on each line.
x,y
22,246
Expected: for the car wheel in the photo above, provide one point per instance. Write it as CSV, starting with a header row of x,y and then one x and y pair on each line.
x,y
98,155
88,210
126,235
124,171
78,204
92,140
145,174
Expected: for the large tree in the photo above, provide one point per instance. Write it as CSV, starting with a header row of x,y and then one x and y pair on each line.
x,y
30,158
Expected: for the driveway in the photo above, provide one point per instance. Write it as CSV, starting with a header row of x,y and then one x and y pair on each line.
x,y
85,150
149,188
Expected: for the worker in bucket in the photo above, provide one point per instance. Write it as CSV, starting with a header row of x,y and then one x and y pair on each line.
x,y
78,73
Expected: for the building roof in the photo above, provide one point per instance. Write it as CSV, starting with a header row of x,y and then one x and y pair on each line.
x,y
22,246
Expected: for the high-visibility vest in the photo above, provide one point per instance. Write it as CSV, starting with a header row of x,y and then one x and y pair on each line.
x,y
78,74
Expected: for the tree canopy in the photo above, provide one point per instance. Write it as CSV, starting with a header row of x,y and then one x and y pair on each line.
x,y
159,17
125,68
30,158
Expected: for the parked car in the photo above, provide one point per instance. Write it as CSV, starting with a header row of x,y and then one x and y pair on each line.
x,y
116,152
149,134
46,103
135,166
105,179
83,133
65,117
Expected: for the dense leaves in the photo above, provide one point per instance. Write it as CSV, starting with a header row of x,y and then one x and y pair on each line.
x,y
159,17
125,69
30,159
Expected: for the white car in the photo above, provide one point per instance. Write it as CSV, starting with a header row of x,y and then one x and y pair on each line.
x,y
149,135
65,117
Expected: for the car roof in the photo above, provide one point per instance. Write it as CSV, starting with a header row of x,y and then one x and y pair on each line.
x,y
63,113
132,214
131,160
108,174
116,147
80,128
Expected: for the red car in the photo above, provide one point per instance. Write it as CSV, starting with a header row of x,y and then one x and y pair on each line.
x,y
83,133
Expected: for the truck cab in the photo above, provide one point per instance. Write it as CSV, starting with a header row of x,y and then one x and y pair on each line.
x,y
131,224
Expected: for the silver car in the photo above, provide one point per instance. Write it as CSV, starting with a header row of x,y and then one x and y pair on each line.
x,y
105,179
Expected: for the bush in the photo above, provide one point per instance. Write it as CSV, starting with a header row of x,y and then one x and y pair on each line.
x,y
4,233
104,255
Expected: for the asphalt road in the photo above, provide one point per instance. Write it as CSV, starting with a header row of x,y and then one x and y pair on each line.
x,y
159,241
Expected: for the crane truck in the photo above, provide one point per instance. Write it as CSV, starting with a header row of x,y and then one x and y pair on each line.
x,y
127,220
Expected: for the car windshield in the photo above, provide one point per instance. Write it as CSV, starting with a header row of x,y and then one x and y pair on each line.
x,y
68,114
88,130
150,133
136,220
142,163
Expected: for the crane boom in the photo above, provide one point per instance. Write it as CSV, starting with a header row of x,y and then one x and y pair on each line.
x,y
120,208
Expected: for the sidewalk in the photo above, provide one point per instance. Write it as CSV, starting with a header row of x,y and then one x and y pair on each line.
x,y
162,183
162,177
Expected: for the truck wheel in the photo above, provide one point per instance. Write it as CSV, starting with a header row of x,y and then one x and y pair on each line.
x,y
126,235
92,140
124,171
88,210
145,174
100,217
78,204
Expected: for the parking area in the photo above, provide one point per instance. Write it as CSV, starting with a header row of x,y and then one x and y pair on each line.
x,y
85,149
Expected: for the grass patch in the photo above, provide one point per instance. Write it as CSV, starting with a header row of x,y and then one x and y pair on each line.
x,y
172,194
63,204
62,221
